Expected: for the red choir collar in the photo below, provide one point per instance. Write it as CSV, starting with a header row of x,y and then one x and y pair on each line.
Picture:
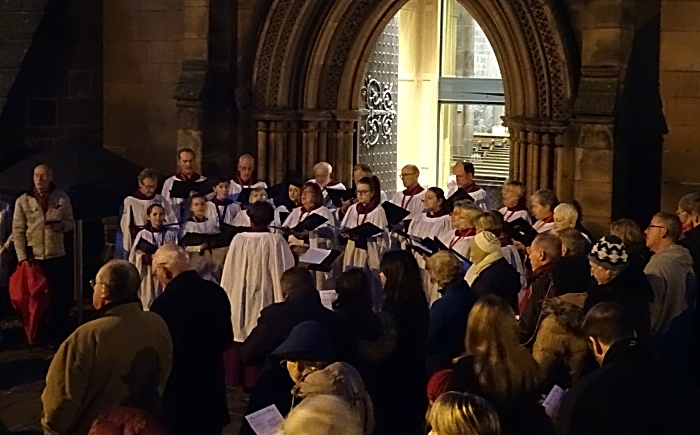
x,y
505,240
415,190
548,220
304,210
465,233
687,228
471,188
367,208
440,213
194,177
238,180
332,183
139,195
518,207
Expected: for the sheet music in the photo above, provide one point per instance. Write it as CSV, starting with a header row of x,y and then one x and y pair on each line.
x,y
553,401
267,421
328,297
421,246
314,256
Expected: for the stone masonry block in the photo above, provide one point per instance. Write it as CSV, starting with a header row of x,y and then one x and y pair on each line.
x,y
601,47
676,167
595,198
594,165
680,15
164,51
681,111
680,83
196,22
679,50
595,136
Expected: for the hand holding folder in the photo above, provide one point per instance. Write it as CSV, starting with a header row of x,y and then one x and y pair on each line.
x,y
361,234
520,230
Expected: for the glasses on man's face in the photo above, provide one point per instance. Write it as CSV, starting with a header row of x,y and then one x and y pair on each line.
x,y
93,283
363,192
407,175
656,226
283,364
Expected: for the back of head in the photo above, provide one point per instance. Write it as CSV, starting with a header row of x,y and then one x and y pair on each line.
x,y
123,420
576,244
491,221
261,214
673,226
403,281
628,231
550,244
456,413
294,279
610,253
503,367
122,279
609,323
173,257
307,341
687,201
354,294
323,415
571,274
444,268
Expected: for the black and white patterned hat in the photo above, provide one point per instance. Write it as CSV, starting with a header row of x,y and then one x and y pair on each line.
x,y
609,253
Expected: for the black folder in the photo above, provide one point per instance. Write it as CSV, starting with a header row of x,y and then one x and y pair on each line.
x,y
394,213
183,189
520,230
146,247
224,238
429,246
194,239
312,222
362,233
244,196
324,266
460,194
283,216
338,196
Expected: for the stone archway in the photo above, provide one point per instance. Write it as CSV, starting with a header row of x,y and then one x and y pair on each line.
x,y
309,63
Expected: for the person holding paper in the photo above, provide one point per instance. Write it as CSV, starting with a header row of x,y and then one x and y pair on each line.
x,y
322,177
196,245
411,198
466,186
134,215
221,207
359,172
148,240
463,230
186,163
542,204
41,218
366,252
514,202
246,176
257,194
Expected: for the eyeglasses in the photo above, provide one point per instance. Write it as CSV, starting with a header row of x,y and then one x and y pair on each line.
x,y
283,363
363,192
407,175
656,226
93,283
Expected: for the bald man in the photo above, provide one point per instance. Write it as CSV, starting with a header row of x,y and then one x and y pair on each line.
x,y
245,177
411,198
186,164
465,184
42,215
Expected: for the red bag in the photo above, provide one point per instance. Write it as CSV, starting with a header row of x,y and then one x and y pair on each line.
x,y
29,292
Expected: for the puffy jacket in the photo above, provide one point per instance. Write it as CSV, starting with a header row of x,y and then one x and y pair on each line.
x,y
342,380
561,348
29,228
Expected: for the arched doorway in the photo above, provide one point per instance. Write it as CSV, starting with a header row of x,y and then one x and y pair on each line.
x,y
309,68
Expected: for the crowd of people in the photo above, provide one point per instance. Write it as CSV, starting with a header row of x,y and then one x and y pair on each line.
x,y
451,321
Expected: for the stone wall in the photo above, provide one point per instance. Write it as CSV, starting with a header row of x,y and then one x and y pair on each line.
x,y
143,44
680,94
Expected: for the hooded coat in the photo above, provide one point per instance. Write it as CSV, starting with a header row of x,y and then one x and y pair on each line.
x,y
342,380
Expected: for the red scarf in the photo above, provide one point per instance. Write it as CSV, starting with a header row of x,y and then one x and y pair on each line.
x,y
548,220
461,234
532,277
410,193
194,177
687,228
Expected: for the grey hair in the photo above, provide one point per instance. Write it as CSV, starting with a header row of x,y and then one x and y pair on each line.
x,y
122,279
467,204
172,255
687,202
568,212
672,224
148,173
324,165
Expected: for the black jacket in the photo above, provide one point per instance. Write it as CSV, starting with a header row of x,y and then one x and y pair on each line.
x,y
691,241
531,316
198,315
499,279
632,393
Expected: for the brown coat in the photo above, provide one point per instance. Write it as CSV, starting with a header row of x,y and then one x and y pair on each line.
x,y
560,347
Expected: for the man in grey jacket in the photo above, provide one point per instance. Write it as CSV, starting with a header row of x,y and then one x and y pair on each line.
x,y
42,215
670,273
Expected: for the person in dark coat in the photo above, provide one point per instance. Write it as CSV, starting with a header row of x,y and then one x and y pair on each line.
x,y
302,303
635,242
632,392
448,315
491,274
198,315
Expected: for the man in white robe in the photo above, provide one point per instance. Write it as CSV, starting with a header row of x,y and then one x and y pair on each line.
x,y
134,207
411,198
252,270
464,176
186,163
245,177
322,177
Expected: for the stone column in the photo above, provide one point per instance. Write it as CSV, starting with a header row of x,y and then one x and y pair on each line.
x,y
263,132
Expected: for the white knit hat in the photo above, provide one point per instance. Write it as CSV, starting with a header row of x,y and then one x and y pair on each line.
x,y
487,242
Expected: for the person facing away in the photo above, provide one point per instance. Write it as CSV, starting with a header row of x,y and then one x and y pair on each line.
x,y
41,217
633,392
198,315
455,413
574,243
323,414
490,273
123,357
634,239
497,368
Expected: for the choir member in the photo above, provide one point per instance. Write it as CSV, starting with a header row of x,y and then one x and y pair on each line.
x,y
463,231
200,255
359,172
543,203
222,207
258,194
289,202
566,216
322,177
134,215
254,265
514,202
186,163
367,209
246,176
157,234
411,198
464,177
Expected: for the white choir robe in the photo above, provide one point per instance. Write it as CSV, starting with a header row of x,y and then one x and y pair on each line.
x,y
481,198
150,287
135,212
251,278
236,188
242,219
223,214
324,190
367,260
414,205
277,221
461,245
177,204
512,256
203,263
426,227
510,216
543,227
323,237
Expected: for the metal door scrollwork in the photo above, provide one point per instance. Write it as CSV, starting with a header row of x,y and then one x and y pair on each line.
x,y
381,112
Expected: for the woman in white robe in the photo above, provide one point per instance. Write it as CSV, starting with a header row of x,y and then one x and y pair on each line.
x,y
201,256
367,209
514,206
323,237
286,203
432,222
157,234
134,216
460,237
543,203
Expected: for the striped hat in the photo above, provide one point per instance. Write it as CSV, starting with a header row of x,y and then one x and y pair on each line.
x,y
609,253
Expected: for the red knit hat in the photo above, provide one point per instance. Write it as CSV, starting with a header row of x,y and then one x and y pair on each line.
x,y
438,384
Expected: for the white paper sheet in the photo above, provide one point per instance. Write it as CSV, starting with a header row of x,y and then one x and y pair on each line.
x,y
328,297
267,421
553,401
314,256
